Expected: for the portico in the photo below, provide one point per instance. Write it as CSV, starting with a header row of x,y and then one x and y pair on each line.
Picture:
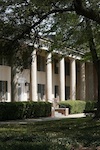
x,y
52,77
56,83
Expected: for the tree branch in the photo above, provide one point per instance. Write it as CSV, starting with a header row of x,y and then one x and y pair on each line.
x,y
86,12
78,8
58,10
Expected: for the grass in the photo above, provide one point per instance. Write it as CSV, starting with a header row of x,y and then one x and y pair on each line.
x,y
65,134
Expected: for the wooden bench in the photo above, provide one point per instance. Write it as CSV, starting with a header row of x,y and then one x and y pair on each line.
x,y
64,111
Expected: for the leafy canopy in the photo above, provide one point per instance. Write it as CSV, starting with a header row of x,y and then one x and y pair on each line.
x,y
64,21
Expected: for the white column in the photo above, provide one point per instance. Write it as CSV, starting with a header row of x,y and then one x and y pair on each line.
x,y
62,79
72,79
82,81
49,77
34,77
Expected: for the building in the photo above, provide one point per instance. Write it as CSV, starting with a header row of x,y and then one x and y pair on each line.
x,y
51,77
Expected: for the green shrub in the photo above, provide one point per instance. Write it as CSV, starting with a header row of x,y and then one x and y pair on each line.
x,y
37,109
42,109
75,106
90,105
47,109
29,110
11,110
23,110
78,106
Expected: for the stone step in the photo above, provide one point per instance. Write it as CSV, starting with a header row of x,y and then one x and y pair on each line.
x,y
57,114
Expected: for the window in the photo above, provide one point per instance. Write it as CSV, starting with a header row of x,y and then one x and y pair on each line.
x,y
3,90
67,68
41,63
56,91
67,92
56,68
77,67
41,91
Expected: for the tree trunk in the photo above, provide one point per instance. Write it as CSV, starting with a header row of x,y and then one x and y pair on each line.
x,y
14,84
97,115
96,61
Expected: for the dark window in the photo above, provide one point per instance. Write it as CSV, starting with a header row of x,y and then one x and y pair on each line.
x,y
67,92
41,91
56,68
41,63
77,67
67,68
3,90
56,91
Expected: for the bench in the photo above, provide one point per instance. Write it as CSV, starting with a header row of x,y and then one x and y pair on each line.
x,y
64,111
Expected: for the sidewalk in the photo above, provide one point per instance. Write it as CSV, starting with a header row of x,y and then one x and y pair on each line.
x,y
26,121
58,117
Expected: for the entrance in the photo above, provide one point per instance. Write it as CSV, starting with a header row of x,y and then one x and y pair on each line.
x,y
22,90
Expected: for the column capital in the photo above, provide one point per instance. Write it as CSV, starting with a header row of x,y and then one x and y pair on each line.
x,y
34,55
48,58
72,59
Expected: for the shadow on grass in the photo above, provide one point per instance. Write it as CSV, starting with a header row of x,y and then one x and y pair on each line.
x,y
65,134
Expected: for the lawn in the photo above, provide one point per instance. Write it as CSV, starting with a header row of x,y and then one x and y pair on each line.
x,y
64,134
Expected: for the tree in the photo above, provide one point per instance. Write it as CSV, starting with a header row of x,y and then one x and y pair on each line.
x,y
96,59
20,17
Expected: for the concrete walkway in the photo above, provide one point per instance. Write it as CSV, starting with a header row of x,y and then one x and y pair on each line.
x,y
26,121
58,117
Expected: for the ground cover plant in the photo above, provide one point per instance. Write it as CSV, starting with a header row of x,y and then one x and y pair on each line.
x,y
64,134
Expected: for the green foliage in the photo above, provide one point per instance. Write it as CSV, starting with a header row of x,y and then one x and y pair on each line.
x,y
47,109
37,109
29,111
18,19
90,105
78,106
22,110
11,111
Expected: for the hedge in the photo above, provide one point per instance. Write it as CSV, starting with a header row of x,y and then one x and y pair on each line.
x,y
23,110
90,105
37,109
11,110
78,106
